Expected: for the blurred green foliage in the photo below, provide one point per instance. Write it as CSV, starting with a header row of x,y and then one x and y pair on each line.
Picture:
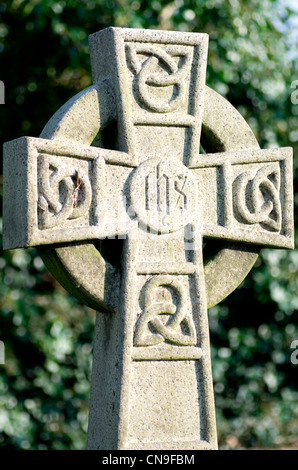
x,y
45,380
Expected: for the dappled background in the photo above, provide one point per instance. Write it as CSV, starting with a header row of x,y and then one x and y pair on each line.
x,y
45,381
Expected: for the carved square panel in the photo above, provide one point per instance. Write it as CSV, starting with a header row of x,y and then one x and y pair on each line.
x,y
54,188
249,197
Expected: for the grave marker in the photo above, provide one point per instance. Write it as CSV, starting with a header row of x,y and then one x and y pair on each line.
x,y
151,379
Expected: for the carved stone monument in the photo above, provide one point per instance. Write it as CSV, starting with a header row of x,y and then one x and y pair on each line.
x,y
158,194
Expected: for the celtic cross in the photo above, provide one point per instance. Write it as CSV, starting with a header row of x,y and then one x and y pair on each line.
x,y
122,227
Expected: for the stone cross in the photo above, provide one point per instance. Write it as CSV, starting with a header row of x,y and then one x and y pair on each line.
x,y
121,224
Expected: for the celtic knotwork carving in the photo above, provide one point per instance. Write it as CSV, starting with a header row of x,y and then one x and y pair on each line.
x,y
151,330
256,197
64,192
159,69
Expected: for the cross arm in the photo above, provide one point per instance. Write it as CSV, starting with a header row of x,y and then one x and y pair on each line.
x,y
247,196
56,192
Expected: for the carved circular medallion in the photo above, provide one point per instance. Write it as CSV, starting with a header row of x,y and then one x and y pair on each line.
x,y
163,194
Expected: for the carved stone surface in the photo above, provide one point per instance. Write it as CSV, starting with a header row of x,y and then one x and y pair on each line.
x,y
150,329
155,191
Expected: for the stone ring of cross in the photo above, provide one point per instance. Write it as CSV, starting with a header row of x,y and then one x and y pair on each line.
x,y
125,183
223,130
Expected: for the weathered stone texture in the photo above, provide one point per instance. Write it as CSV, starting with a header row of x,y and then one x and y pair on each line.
x,y
160,197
